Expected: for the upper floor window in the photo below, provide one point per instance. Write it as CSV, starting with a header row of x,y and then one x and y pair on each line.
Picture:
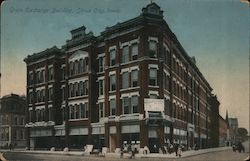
x,y
31,78
125,105
152,49
101,110
130,105
112,107
125,80
63,73
100,64
50,94
101,87
153,76
63,93
134,51
112,54
112,83
125,54
134,104
134,78
50,73
83,110
30,97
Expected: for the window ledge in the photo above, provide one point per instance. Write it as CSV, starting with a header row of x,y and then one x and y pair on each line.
x,y
82,119
150,86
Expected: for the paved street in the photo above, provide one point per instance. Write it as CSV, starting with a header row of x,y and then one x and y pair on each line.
x,y
227,155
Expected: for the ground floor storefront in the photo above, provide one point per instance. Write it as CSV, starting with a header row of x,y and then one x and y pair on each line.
x,y
117,136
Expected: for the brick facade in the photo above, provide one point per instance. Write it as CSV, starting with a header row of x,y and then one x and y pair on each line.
x,y
127,63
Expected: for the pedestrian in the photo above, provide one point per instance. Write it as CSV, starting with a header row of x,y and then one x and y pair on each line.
x,y
176,149
133,151
179,151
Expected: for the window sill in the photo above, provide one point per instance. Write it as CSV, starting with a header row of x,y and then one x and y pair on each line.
x,y
82,119
150,86
130,88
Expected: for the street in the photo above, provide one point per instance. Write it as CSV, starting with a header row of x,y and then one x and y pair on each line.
x,y
227,155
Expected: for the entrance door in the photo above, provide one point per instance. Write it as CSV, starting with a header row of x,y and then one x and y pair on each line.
x,y
112,142
153,141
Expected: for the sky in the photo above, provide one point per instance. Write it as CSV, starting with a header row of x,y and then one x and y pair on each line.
x,y
215,32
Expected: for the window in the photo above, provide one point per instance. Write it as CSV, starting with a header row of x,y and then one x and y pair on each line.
x,y
101,89
81,88
134,104
38,77
134,78
63,93
63,73
81,66
112,57
43,95
101,110
71,68
153,77
112,83
112,107
84,110
134,51
71,90
152,49
16,121
30,115
42,76
38,96
86,87
71,112
31,78
50,73
30,97
76,87
22,135
100,64
42,113
125,80
22,121
125,105
125,54
76,110
50,93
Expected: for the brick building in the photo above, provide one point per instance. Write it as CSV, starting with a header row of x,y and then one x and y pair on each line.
x,y
134,83
223,128
12,121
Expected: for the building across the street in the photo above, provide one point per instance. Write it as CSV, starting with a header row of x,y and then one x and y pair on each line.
x,y
12,121
132,84
233,130
223,129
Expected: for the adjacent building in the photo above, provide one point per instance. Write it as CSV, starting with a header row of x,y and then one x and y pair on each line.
x,y
223,129
214,125
12,121
233,130
132,84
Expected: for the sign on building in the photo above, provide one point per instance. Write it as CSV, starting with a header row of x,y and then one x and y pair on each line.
x,y
153,105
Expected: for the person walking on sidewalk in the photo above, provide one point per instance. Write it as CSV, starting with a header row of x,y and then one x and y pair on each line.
x,y
176,149
179,151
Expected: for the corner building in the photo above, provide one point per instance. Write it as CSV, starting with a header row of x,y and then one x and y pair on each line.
x,y
134,83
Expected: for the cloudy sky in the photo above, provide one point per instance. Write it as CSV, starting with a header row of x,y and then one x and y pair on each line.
x,y
215,32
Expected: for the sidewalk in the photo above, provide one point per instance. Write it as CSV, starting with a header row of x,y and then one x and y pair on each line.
x,y
185,153
115,155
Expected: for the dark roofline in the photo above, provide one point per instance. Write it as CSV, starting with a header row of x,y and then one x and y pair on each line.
x,y
48,52
78,29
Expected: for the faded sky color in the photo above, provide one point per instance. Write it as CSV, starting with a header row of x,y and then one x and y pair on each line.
x,y
215,32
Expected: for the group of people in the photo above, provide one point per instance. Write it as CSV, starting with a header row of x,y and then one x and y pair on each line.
x,y
129,148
